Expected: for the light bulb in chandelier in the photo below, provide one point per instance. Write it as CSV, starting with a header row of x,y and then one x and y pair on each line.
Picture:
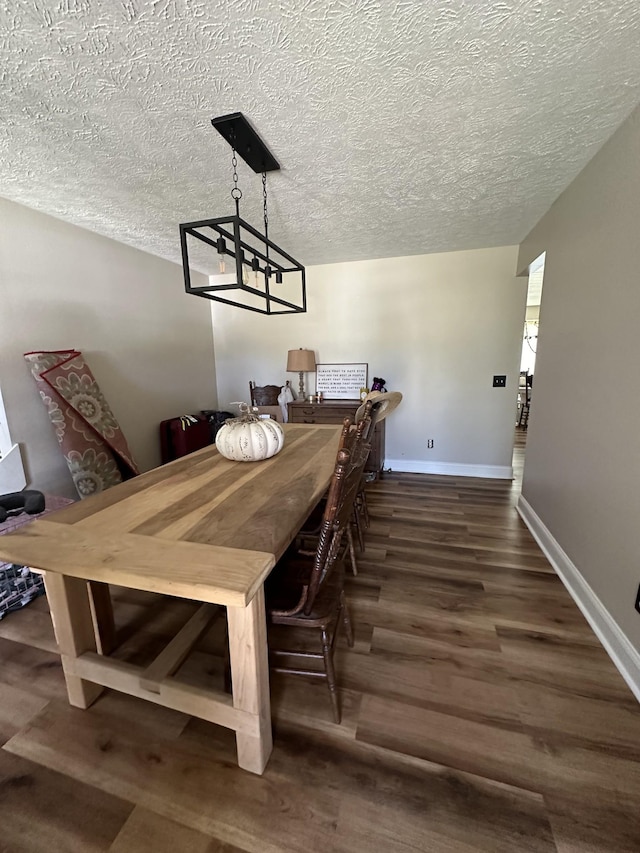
x,y
244,274
222,249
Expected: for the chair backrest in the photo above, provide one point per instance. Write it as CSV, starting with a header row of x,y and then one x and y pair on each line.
x,y
264,395
361,431
344,486
523,385
371,414
529,387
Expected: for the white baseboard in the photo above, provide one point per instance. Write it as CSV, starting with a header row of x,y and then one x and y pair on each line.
x,y
624,655
420,466
12,476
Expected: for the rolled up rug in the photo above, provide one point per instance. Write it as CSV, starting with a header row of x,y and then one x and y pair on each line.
x,y
90,437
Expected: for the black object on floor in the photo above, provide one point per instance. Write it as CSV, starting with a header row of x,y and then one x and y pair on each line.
x,y
14,503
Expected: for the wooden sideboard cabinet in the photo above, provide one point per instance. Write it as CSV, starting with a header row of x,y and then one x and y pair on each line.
x,y
334,412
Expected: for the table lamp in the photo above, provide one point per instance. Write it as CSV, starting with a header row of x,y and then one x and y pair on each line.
x,y
301,361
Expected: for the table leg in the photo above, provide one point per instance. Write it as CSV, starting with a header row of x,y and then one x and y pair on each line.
x,y
250,679
73,625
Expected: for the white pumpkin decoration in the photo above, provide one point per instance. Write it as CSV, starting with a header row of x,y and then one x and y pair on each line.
x,y
249,438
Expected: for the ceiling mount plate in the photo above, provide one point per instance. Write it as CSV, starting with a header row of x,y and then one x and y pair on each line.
x,y
240,135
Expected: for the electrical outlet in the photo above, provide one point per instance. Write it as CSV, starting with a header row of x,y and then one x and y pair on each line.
x,y
500,381
637,605
429,443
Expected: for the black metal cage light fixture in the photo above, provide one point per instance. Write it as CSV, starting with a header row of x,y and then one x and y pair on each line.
x,y
244,267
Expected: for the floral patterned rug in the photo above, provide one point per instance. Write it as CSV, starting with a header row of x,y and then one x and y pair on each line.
x,y
90,438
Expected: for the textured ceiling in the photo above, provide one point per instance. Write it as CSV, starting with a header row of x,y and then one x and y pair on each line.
x,y
402,126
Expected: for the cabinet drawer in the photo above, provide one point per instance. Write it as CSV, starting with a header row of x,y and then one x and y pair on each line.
x,y
315,418
320,414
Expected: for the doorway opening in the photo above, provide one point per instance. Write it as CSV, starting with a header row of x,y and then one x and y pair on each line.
x,y
528,361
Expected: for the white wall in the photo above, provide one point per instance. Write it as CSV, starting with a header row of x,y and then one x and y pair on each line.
x,y
148,343
436,327
582,466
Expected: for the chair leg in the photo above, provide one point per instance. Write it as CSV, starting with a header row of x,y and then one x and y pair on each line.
x,y
352,550
358,524
331,673
344,611
362,497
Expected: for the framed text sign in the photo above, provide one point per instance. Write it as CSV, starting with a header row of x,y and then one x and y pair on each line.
x,y
341,381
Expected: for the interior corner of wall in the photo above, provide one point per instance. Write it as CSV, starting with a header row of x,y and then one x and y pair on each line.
x,y
528,253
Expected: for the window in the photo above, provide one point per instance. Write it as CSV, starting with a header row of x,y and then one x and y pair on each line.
x,y
5,438
12,478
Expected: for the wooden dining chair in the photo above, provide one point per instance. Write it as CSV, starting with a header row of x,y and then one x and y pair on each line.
x,y
264,395
264,398
373,412
362,433
306,588
353,438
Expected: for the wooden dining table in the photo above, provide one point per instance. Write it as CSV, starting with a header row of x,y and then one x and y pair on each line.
x,y
202,528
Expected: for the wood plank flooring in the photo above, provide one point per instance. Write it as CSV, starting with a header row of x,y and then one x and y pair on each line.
x,y
480,714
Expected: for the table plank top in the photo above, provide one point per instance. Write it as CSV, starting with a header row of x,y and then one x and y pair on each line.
x,y
201,523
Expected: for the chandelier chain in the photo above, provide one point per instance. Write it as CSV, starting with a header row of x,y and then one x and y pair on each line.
x,y
266,215
236,192
264,200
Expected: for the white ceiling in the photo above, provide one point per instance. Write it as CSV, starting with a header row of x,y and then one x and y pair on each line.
x,y
402,126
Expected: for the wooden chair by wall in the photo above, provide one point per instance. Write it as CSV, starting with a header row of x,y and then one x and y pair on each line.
x,y
265,399
306,589
264,395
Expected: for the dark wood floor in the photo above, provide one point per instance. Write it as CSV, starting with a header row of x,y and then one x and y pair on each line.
x,y
480,714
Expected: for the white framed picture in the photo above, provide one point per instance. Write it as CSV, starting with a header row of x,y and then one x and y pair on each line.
x,y
341,381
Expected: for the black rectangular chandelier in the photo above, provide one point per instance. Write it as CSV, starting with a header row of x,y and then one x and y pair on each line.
x,y
244,268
